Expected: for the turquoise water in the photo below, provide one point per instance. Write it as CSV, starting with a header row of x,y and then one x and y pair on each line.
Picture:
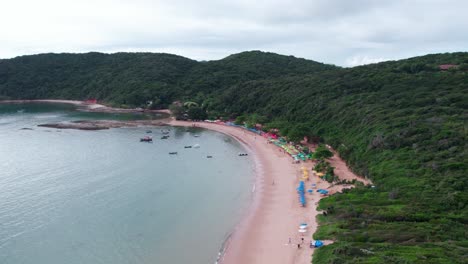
x,y
71,196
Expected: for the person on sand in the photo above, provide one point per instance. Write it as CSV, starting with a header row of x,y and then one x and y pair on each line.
x,y
289,241
302,240
298,246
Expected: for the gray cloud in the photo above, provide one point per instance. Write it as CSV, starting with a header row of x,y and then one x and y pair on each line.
x,y
341,32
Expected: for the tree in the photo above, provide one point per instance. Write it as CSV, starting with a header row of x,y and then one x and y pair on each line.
x,y
240,120
196,113
176,110
190,104
322,152
155,104
298,132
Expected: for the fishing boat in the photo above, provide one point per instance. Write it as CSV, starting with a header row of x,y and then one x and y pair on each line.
x,y
164,137
172,153
188,147
146,139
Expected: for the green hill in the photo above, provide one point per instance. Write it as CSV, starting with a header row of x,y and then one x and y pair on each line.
x,y
133,78
254,65
402,124
404,129
121,78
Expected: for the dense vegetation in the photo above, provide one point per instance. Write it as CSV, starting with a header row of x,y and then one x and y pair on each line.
x,y
403,124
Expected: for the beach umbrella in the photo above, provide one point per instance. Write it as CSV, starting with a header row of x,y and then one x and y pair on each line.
x,y
303,227
302,231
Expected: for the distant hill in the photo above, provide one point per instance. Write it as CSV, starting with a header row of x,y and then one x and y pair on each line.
x,y
124,78
133,78
247,66
402,124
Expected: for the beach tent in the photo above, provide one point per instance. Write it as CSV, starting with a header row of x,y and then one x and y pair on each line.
x,y
301,191
322,191
318,243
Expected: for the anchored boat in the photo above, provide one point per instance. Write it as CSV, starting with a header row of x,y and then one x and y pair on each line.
x,y
146,139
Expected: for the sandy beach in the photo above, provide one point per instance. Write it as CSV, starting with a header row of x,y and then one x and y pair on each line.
x,y
268,233
275,213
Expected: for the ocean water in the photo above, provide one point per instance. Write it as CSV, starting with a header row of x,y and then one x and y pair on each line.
x,y
71,196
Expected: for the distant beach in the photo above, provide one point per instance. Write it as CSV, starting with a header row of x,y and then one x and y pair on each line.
x,y
88,106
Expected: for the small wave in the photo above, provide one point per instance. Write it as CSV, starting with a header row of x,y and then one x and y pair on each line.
x,y
223,249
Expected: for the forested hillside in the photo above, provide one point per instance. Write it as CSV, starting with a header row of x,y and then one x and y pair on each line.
x,y
131,79
122,78
405,129
403,124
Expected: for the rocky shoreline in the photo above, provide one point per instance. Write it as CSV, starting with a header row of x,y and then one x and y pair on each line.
x,y
98,108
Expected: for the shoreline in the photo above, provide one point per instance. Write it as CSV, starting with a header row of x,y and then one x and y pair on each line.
x,y
272,219
84,106
262,235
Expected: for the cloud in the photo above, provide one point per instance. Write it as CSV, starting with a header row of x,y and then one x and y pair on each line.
x,y
341,32
360,60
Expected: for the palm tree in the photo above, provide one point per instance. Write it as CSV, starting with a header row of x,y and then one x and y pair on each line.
x,y
190,104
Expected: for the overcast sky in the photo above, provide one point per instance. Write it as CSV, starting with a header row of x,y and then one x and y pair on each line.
x,y
341,32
